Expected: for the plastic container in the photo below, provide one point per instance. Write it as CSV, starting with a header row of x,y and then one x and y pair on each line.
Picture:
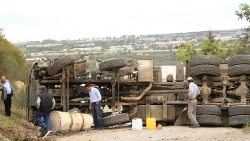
x,y
150,123
137,124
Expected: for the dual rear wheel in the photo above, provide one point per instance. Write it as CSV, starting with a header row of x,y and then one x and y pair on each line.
x,y
208,114
239,115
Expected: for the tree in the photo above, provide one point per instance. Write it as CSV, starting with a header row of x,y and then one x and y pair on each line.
x,y
244,12
211,47
222,50
13,63
186,52
211,36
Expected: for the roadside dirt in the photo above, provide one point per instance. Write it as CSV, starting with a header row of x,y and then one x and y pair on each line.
x,y
23,131
167,133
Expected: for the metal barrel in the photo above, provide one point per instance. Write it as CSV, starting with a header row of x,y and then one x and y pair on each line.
x,y
73,121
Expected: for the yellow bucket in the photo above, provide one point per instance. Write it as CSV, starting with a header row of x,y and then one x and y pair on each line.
x,y
150,123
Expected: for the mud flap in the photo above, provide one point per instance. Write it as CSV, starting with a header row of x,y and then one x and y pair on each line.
x,y
182,118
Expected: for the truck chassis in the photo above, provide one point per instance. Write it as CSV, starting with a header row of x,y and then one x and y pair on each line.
x,y
138,91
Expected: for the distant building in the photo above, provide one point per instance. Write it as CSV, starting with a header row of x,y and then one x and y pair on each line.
x,y
33,59
47,45
225,38
87,49
120,48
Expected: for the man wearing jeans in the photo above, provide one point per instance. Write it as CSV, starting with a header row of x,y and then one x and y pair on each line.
x,y
193,91
95,105
45,104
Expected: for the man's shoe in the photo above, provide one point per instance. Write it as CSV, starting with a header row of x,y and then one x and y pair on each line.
x,y
197,125
43,130
43,127
98,128
7,115
192,126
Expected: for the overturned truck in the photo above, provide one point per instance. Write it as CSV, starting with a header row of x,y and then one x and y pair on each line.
x,y
137,90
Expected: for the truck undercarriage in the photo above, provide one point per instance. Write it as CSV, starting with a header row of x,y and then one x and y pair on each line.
x,y
138,90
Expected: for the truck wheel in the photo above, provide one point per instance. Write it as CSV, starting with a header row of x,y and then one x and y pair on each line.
x,y
239,59
238,70
208,110
204,60
239,110
204,69
60,63
209,119
115,119
112,64
239,120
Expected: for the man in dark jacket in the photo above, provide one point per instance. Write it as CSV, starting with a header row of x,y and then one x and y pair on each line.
x,y
45,104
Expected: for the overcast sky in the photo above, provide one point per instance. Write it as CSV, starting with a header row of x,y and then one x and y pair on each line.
x,y
36,20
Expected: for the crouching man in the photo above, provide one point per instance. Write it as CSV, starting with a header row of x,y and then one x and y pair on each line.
x,y
45,104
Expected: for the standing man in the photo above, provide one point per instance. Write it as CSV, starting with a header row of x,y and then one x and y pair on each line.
x,y
9,91
95,105
193,91
45,104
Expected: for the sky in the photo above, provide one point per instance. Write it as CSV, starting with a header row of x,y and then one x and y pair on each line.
x,y
37,20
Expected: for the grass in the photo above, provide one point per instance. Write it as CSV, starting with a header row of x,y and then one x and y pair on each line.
x,y
246,127
15,126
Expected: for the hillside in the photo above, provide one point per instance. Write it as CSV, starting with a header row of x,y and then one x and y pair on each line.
x,y
160,47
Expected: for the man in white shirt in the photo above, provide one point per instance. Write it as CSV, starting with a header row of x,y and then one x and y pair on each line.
x,y
95,105
193,91
7,101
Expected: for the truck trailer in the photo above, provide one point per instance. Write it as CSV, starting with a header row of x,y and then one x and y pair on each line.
x,y
136,89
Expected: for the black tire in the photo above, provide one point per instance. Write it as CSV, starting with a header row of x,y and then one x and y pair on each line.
x,y
204,60
60,63
208,110
239,110
238,70
31,68
239,120
116,119
204,69
239,59
112,64
209,119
